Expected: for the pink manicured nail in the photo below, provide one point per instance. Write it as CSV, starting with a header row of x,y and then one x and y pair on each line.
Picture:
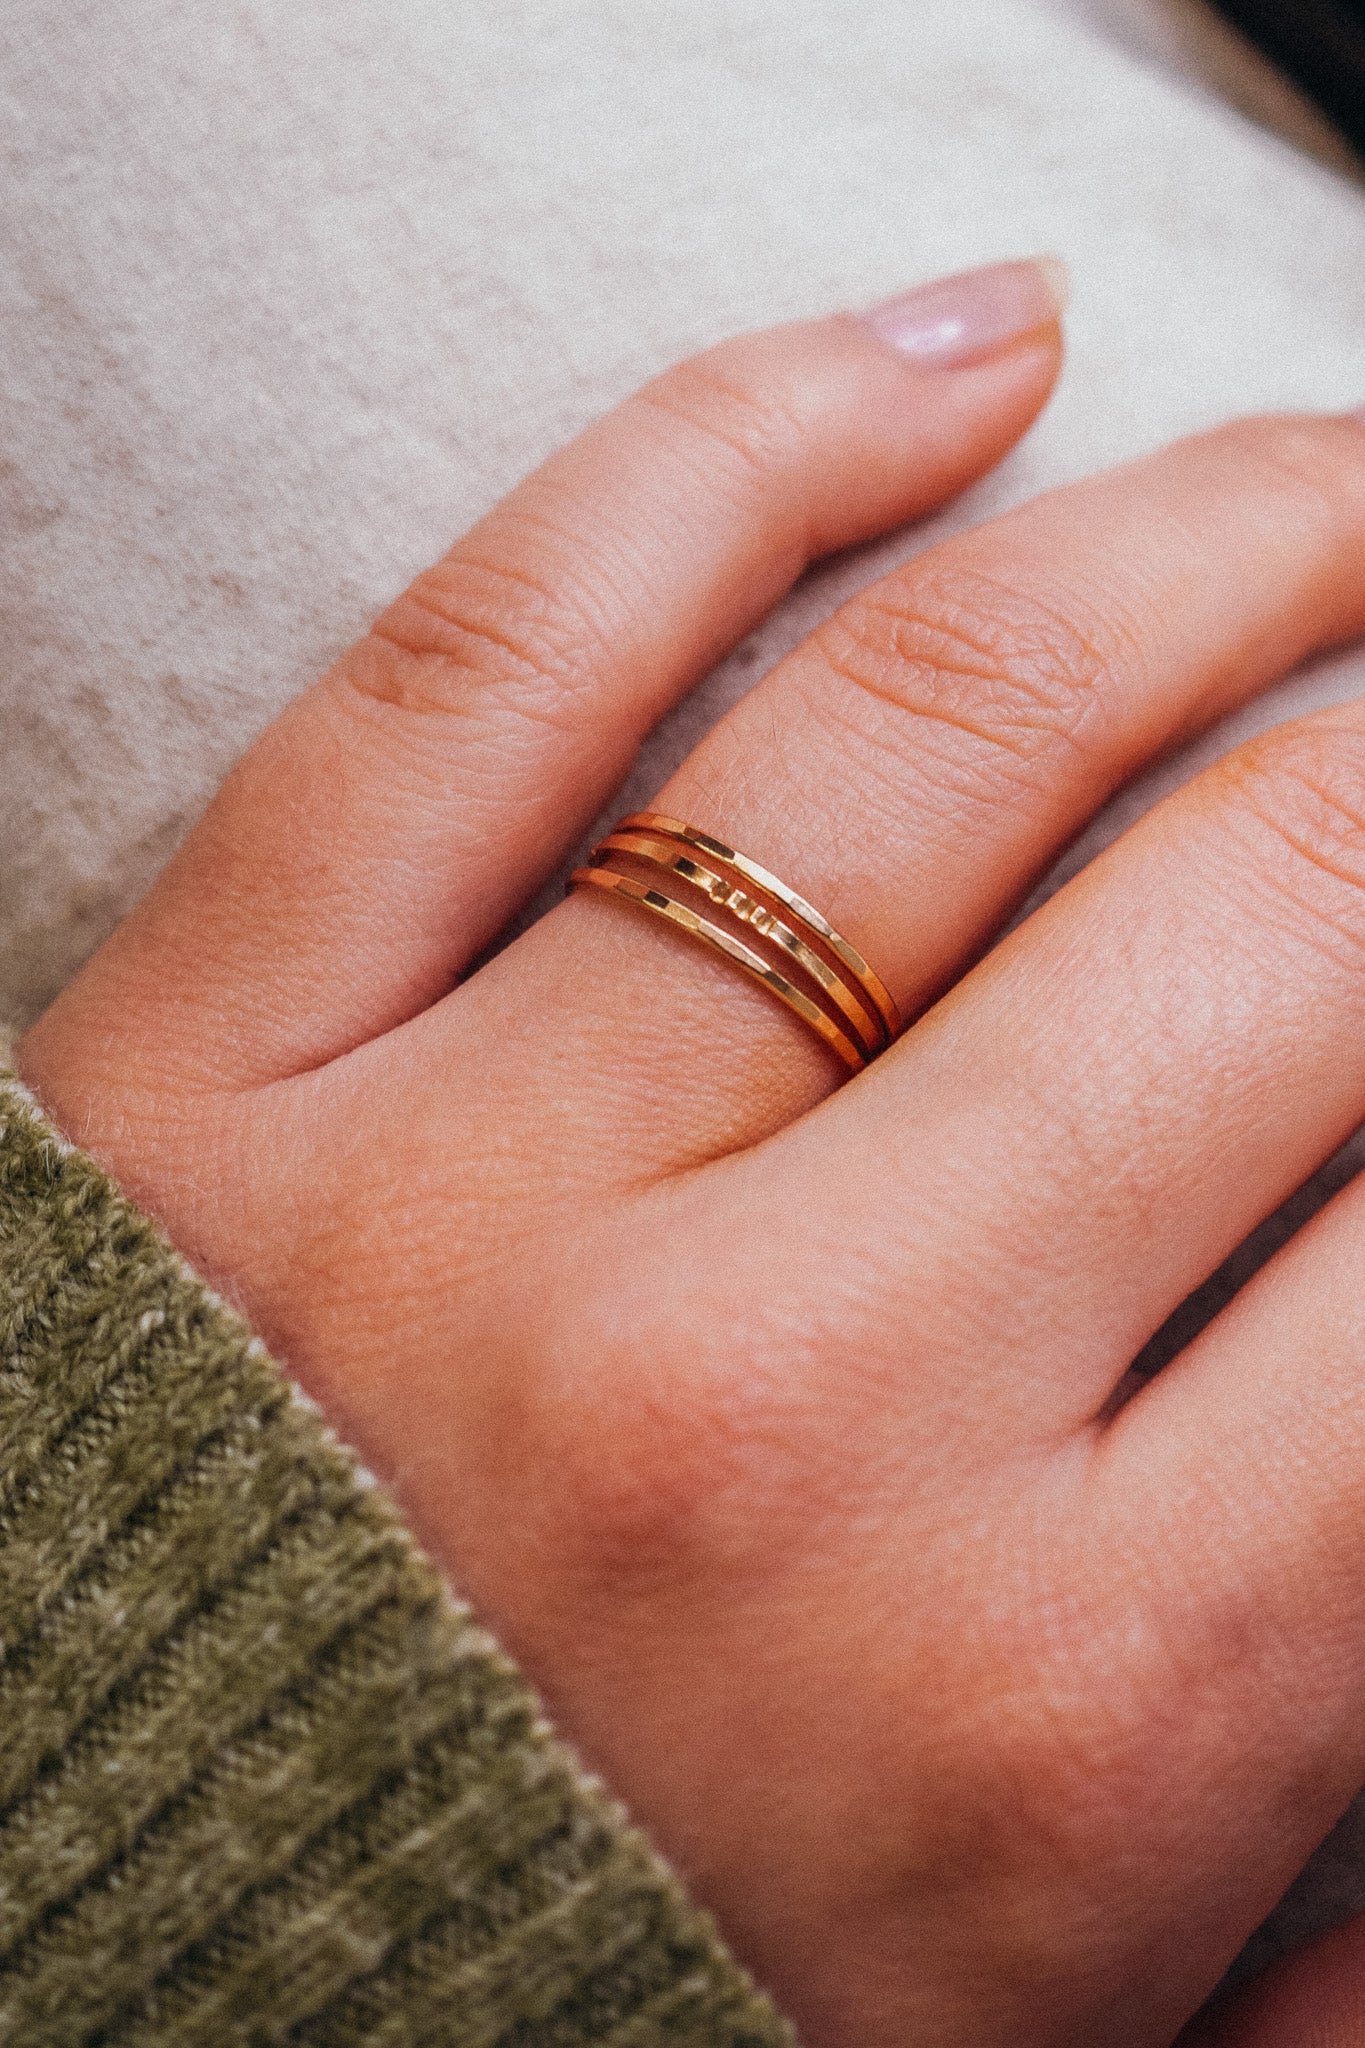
x,y
958,320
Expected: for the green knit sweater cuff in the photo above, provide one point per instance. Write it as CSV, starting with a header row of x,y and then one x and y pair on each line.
x,y
261,1779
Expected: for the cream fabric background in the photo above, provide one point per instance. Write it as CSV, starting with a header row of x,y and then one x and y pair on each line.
x,y
292,289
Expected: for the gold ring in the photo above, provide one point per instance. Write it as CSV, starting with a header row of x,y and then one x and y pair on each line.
x,y
650,821
833,971
866,1022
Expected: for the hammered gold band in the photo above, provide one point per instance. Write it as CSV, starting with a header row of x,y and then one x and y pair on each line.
x,y
813,970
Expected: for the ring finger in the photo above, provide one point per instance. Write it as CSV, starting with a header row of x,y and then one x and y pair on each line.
x,y
914,765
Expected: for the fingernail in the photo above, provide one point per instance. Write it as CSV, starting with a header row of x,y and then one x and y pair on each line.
x,y
959,320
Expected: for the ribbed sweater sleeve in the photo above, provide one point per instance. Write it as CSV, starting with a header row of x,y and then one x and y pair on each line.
x,y
262,1780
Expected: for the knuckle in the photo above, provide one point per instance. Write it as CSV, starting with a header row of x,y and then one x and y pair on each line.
x,y
659,1516
634,1526
724,400
1018,674
1303,790
1311,460
625,1528
712,1478
1076,1720
1053,1736
473,638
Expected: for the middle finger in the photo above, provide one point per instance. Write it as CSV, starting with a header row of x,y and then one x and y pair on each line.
x,y
1101,1112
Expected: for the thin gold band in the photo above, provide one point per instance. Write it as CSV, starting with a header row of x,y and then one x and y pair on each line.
x,y
805,913
661,905
868,1024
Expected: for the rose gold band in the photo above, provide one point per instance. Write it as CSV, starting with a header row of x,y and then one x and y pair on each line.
x,y
813,970
803,912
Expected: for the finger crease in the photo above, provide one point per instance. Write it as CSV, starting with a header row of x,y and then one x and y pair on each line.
x,y
1010,740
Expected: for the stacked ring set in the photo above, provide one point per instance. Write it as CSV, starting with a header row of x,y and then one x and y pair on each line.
x,y
730,903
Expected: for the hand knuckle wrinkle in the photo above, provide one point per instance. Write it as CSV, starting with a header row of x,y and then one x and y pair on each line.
x,y
432,654
759,429
1308,788
1009,671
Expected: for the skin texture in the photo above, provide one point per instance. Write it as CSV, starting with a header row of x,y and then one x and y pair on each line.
x,y
769,1424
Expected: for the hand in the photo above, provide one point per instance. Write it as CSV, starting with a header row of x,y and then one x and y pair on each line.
x,y
770,1425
